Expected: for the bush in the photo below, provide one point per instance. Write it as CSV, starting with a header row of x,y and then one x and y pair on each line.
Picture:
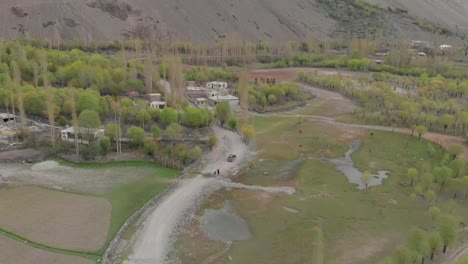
x,y
168,116
105,145
137,135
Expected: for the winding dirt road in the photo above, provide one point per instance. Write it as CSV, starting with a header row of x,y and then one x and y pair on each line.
x,y
155,239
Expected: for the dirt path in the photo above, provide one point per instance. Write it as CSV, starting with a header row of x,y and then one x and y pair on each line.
x,y
155,238
455,255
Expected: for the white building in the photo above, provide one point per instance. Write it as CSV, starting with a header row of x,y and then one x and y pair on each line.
x,y
232,100
211,93
217,85
154,97
158,104
4,117
84,134
201,102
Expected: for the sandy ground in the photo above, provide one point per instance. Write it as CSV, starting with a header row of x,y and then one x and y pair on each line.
x,y
14,252
57,219
155,239
19,155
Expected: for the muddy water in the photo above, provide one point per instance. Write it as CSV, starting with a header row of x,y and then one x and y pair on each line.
x,y
346,166
224,225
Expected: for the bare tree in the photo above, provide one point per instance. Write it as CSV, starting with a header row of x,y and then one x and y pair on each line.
x,y
50,105
72,98
19,93
149,69
244,97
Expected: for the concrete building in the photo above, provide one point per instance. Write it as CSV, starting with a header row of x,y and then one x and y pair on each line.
x,y
195,91
4,117
84,134
217,85
232,100
154,97
158,105
201,102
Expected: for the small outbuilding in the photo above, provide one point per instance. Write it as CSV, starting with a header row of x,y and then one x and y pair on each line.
x,y
158,105
217,85
232,100
154,97
4,117
201,102
83,134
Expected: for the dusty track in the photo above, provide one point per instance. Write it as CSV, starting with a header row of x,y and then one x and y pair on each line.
x,y
154,240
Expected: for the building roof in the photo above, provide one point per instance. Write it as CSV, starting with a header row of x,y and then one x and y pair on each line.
x,y
223,98
5,115
158,103
192,88
71,130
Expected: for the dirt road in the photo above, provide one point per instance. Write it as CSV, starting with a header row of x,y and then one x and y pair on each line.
x,y
155,238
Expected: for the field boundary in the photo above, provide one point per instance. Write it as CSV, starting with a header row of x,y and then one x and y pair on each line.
x,y
31,243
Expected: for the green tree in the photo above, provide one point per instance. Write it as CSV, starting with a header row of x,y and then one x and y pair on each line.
x,y
137,135
272,99
223,112
248,133
366,178
174,131
455,150
212,140
434,211
155,131
88,100
420,130
232,123
419,242
105,145
403,256
435,243
112,131
143,117
194,117
447,231
426,180
89,119
412,175
168,116
430,196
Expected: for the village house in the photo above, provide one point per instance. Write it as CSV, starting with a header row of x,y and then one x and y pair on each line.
x,y
158,105
84,134
154,97
232,100
217,85
201,102
4,117
193,91
210,93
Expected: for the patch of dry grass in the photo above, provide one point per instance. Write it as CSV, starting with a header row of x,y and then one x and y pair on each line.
x,y
54,218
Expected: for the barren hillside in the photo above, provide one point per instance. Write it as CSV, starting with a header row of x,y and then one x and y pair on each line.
x,y
209,20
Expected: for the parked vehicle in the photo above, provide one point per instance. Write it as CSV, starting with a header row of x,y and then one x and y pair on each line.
x,y
231,158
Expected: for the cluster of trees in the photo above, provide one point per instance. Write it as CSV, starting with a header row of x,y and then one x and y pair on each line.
x,y
422,245
428,180
436,103
204,74
264,94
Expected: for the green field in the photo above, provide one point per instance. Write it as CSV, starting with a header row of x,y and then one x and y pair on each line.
x,y
128,198
359,226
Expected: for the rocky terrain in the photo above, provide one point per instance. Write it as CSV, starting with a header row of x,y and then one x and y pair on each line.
x,y
212,20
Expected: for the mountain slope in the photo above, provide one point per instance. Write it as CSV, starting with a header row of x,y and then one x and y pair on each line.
x,y
209,20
